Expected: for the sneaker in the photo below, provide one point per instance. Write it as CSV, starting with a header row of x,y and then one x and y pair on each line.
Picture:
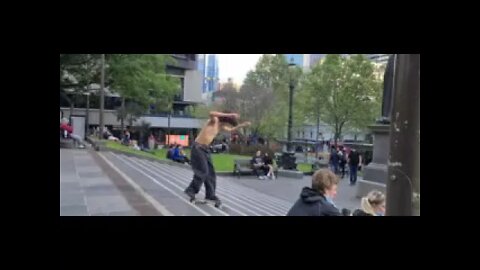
x,y
261,178
190,195
214,199
273,176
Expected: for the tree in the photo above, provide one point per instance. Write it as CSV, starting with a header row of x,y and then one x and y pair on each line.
x,y
255,103
342,91
273,74
230,97
77,72
202,110
142,80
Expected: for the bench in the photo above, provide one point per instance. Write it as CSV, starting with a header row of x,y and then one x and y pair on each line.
x,y
243,166
67,143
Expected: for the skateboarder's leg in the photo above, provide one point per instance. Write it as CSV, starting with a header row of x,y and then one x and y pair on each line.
x,y
200,170
210,182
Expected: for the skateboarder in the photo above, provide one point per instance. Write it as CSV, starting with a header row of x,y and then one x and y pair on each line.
x,y
200,155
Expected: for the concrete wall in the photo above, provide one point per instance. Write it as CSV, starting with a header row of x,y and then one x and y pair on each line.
x,y
192,91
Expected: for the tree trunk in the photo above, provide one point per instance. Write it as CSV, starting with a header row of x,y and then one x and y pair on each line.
x,y
72,104
335,137
318,131
122,116
87,116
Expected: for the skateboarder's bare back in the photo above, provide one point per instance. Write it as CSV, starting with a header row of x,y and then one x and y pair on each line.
x,y
204,172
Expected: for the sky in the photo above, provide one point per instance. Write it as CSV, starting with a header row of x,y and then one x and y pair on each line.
x,y
236,66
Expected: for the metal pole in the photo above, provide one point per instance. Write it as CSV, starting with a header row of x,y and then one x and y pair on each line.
x,y
403,184
290,105
168,132
87,115
102,96
318,131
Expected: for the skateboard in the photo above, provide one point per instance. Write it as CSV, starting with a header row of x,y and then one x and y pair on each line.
x,y
217,204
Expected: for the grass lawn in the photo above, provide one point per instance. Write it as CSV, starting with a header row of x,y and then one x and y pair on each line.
x,y
304,167
123,148
221,162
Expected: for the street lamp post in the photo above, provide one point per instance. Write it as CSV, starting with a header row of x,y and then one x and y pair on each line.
x,y
291,65
102,96
288,159
87,112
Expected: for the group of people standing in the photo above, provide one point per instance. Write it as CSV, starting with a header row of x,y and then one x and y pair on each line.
x,y
339,158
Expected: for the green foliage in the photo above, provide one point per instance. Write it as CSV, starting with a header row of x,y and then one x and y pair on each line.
x,y
344,92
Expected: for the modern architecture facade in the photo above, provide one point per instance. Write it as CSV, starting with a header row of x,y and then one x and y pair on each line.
x,y
178,120
202,69
212,74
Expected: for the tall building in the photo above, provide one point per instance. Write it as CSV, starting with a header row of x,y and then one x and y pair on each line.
x,y
202,69
212,77
315,58
185,68
177,121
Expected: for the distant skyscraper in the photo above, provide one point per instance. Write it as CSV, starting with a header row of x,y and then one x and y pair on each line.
x,y
201,67
212,77
315,58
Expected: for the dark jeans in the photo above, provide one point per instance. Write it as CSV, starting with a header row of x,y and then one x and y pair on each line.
x,y
353,173
182,159
334,167
342,169
263,168
203,171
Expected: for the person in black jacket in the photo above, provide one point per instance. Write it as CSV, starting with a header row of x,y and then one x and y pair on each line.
x,y
355,161
317,200
269,163
258,164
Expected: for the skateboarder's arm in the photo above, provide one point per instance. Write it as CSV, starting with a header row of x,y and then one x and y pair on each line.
x,y
244,124
220,114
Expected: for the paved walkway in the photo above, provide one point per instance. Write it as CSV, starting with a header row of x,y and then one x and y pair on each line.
x,y
87,189
166,183
105,183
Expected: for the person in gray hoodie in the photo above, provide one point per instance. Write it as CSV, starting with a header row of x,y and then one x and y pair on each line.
x,y
318,200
